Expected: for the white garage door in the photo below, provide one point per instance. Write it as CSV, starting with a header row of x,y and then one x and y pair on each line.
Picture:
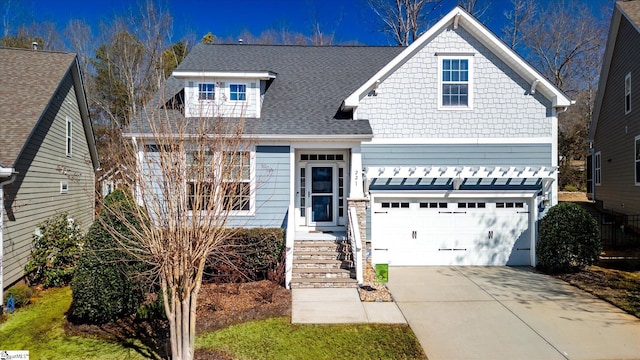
x,y
460,232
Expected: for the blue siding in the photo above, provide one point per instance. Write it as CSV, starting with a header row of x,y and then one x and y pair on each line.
x,y
272,189
456,154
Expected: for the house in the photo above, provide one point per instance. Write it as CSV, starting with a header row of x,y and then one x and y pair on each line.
x,y
440,153
47,150
615,125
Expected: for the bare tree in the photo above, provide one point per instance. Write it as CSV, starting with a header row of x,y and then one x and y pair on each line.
x,y
403,20
78,34
477,8
188,175
523,13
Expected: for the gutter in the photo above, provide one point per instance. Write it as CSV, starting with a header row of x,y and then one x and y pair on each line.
x,y
9,173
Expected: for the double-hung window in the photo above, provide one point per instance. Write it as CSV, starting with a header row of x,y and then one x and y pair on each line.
x,y
206,91
627,93
221,176
237,92
455,88
597,168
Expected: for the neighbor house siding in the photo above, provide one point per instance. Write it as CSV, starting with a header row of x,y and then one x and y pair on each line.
x,y
43,164
406,102
458,154
272,189
616,131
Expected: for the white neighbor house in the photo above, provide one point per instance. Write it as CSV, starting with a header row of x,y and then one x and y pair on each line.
x,y
440,153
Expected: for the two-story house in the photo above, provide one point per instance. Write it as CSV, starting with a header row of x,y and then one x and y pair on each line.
x,y
615,124
446,150
47,150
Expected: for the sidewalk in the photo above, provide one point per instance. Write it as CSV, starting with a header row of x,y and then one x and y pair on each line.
x,y
340,306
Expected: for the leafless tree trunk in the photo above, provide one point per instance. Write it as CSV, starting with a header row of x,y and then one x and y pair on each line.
x,y
523,13
403,20
188,175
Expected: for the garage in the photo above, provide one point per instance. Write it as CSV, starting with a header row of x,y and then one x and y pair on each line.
x,y
441,231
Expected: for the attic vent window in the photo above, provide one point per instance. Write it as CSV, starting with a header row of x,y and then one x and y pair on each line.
x,y
627,93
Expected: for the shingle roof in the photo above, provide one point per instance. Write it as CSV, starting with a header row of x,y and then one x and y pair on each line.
x,y
631,10
28,80
310,85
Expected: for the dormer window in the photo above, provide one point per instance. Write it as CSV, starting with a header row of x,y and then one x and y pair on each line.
x,y
238,92
206,91
627,93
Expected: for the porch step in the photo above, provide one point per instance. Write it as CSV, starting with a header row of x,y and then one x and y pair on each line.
x,y
322,264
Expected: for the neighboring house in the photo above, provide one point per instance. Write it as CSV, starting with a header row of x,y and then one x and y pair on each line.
x,y
47,150
615,126
446,149
114,179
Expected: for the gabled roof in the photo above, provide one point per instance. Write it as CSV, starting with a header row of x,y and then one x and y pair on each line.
x,y
310,83
28,81
631,11
459,17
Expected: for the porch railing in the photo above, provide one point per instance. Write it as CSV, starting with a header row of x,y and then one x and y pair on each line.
x,y
356,244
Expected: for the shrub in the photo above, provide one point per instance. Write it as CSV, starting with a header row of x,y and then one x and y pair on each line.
x,y
568,240
254,254
108,282
56,248
22,295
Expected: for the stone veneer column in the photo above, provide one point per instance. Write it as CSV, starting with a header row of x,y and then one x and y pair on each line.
x,y
361,210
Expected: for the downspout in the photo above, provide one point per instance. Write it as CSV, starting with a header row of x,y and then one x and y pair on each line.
x,y
11,179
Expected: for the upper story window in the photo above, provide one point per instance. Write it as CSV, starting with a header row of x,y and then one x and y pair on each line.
x,y
627,93
597,168
206,91
238,92
69,136
455,82
637,159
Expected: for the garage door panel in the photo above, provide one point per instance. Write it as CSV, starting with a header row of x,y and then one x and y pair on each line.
x,y
474,232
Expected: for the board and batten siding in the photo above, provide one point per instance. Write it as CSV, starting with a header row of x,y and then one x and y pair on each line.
x,y
43,164
406,102
272,189
616,131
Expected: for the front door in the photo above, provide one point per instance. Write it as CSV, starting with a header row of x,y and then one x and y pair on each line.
x,y
321,195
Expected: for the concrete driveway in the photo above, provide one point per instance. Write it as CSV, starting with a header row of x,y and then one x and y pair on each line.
x,y
509,313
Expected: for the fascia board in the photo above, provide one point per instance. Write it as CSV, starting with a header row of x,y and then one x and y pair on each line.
x,y
604,72
262,75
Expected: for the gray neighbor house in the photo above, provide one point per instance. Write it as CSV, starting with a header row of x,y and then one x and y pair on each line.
x,y
440,153
47,150
614,176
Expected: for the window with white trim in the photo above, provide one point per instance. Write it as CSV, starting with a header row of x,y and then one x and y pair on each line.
x,y
236,181
68,136
627,94
637,159
206,91
64,187
455,82
597,168
237,92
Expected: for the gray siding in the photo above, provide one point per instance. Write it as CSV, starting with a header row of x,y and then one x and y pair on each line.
x,y
272,189
406,104
457,154
35,195
616,131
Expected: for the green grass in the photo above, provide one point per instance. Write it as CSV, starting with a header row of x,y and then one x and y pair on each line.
x,y
277,338
39,328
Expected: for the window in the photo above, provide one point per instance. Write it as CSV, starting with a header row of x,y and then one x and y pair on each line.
x,y
597,166
69,137
455,83
235,183
637,159
64,187
627,95
206,91
238,92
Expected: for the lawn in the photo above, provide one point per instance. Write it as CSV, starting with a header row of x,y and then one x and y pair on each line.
x,y
40,328
620,288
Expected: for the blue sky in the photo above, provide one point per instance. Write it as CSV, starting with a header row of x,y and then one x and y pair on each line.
x,y
350,20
